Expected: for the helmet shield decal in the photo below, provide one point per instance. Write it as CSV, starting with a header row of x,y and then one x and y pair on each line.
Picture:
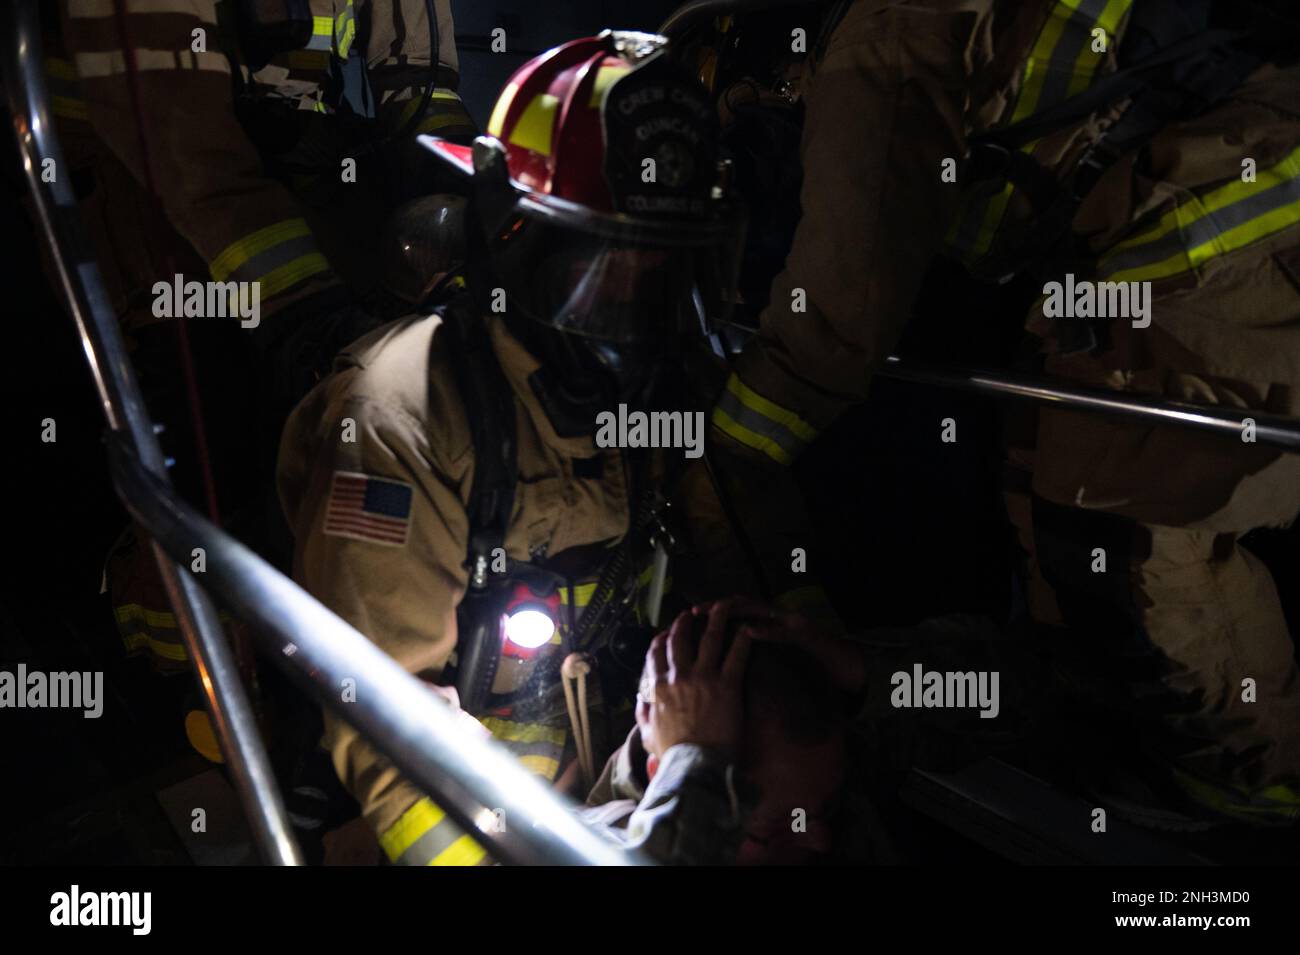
x,y
661,142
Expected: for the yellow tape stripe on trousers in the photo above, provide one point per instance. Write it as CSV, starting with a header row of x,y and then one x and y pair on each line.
x,y
425,835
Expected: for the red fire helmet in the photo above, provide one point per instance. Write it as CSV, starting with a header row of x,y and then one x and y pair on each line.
x,y
599,190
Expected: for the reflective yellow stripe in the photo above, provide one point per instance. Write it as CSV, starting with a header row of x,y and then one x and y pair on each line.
x,y
322,34
523,732
240,251
770,409
163,648
291,273
288,253
413,824
345,29
543,766
419,822
533,736
135,613
143,627
758,442
1085,65
1038,63
536,125
464,852
1201,228
760,423
1070,22
582,594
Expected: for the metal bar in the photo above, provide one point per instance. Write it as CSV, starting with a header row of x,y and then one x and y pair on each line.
x,y
1277,430
414,727
83,290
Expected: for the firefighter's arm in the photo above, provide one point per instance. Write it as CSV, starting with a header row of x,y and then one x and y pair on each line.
x,y
883,112
379,539
209,176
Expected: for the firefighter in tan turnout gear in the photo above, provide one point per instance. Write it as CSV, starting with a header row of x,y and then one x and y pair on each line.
x,y
1179,183
277,150
445,485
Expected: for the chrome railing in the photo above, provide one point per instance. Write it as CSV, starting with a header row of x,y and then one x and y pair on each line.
x,y
1276,430
475,780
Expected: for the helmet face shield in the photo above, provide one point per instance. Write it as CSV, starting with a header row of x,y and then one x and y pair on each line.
x,y
598,192
615,278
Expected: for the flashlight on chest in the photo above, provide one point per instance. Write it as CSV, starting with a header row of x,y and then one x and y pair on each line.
x,y
517,625
528,622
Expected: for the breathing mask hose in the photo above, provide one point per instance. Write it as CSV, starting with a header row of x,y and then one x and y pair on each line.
x,y
479,651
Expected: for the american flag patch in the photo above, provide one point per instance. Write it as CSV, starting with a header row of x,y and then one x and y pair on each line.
x,y
368,508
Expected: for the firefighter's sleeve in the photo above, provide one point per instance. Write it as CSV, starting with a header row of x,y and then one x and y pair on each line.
x,y
693,811
380,540
209,176
882,114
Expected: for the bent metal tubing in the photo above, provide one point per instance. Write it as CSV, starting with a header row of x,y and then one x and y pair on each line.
x,y
419,731
393,709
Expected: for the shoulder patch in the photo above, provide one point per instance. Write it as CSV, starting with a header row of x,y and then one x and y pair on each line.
x,y
369,509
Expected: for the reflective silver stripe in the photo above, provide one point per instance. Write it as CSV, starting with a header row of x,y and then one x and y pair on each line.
x,y
760,424
345,29
322,35
112,63
1205,229
432,844
1066,51
264,263
1055,61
